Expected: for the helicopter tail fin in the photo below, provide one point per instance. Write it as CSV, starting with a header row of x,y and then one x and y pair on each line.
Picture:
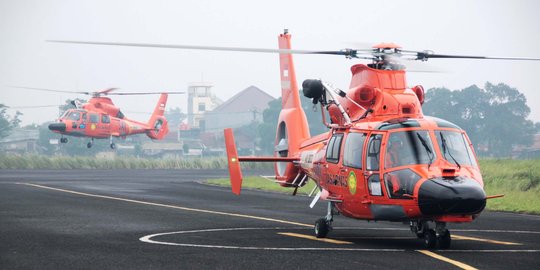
x,y
292,128
158,123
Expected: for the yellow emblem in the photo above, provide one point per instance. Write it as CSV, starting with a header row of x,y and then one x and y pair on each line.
x,y
352,183
93,126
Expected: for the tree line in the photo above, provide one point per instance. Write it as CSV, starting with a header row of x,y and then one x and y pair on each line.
x,y
495,117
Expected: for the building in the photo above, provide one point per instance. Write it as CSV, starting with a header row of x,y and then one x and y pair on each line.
x,y
20,141
242,109
200,100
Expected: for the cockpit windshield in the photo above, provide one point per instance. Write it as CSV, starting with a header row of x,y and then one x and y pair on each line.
x,y
455,148
74,115
409,147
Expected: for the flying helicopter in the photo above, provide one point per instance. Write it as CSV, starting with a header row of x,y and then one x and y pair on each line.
x,y
382,158
99,118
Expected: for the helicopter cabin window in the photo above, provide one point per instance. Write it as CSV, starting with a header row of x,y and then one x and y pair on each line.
x,y
105,119
352,156
84,117
409,147
374,185
333,148
75,116
94,118
373,152
454,148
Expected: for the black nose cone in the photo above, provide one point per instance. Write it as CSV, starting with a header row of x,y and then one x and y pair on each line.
x,y
58,127
457,196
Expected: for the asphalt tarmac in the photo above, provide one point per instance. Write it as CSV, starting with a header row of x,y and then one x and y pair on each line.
x,y
167,219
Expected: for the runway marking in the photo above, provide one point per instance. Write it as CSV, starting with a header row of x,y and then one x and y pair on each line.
x,y
169,206
450,261
311,237
459,237
148,239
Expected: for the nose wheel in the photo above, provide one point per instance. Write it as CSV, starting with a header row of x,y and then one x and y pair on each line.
x,y
63,140
440,236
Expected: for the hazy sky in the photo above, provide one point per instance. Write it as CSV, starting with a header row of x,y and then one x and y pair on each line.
x,y
494,28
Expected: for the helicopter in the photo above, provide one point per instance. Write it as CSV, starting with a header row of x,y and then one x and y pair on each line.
x,y
382,159
99,118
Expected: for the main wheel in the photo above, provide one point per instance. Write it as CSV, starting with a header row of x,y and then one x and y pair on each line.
x,y
113,146
321,228
430,239
63,140
89,145
444,240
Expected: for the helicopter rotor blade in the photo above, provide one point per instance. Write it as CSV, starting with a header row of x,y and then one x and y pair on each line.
x,y
147,93
349,53
49,90
425,55
105,91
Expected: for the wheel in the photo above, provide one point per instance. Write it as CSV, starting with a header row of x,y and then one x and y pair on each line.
x,y
321,228
89,145
63,140
113,146
430,239
444,240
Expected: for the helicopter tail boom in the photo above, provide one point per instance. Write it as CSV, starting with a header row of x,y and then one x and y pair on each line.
x,y
158,126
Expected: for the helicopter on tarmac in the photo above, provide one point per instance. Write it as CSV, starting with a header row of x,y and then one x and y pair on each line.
x,y
382,158
99,118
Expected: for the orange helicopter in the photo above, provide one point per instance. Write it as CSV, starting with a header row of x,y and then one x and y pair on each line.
x,y
101,119
382,158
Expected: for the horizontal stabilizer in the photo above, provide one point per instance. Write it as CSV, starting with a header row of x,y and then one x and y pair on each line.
x,y
234,163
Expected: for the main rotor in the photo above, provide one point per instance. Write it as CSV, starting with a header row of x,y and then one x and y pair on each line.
x,y
383,56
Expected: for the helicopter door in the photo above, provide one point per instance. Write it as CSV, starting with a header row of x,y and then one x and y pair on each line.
x,y
334,181
105,125
373,158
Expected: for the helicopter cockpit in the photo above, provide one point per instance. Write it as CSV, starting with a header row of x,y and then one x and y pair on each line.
x,y
416,147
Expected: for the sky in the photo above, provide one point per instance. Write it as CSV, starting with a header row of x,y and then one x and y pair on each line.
x,y
468,27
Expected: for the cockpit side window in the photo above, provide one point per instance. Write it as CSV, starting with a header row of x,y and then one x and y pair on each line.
x,y
373,152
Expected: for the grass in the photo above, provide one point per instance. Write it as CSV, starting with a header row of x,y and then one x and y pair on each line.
x,y
255,182
519,180
112,162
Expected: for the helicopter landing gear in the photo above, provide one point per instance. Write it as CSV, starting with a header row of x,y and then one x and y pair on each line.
x,y
440,235
111,143
90,143
324,225
63,140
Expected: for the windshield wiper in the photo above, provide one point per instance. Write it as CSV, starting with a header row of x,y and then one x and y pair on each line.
x,y
428,150
446,149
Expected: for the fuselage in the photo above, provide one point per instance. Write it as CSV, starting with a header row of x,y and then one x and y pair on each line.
x,y
95,124
418,178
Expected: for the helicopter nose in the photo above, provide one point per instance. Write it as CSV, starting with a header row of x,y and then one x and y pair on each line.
x,y
57,127
457,196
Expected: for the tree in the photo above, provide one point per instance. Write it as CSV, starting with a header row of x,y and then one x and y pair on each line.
x,y
7,123
494,117
267,129
175,116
